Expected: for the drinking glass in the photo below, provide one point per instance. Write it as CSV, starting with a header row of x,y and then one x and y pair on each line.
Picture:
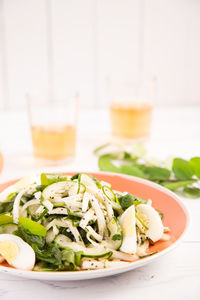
x,y
131,105
53,123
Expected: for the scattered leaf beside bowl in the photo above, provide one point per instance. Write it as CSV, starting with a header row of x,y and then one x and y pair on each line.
x,y
176,174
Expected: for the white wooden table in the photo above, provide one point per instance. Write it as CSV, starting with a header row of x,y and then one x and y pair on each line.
x,y
177,275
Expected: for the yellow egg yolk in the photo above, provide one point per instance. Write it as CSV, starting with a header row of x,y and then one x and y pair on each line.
x,y
128,226
9,250
143,220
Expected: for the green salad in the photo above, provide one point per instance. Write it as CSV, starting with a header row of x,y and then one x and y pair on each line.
x,y
58,222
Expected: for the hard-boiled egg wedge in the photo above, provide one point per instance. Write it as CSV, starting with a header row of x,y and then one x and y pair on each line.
x,y
16,252
127,222
151,223
19,185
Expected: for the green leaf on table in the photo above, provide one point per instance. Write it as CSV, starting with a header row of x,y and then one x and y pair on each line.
x,y
182,169
156,173
134,170
174,185
105,163
195,164
191,192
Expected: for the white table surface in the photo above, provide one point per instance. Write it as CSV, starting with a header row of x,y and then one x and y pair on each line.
x,y
175,131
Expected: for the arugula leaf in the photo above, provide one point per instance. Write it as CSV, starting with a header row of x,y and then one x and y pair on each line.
x,y
126,200
179,175
127,155
195,164
174,185
156,173
105,163
191,192
72,258
134,170
6,206
75,176
40,188
45,252
30,238
182,169
69,256
117,237
51,254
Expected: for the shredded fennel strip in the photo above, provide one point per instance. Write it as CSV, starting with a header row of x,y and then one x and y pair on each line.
x,y
16,204
108,207
100,216
67,224
59,211
38,195
85,201
50,236
55,230
123,256
141,250
48,205
93,233
31,202
88,235
74,231
39,210
89,216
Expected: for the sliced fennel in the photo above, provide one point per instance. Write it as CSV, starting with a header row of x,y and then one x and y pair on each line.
x,y
78,222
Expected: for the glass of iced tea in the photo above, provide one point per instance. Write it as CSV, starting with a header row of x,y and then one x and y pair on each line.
x,y
53,121
131,105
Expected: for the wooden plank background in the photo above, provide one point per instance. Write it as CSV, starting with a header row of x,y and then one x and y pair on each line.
x,y
76,45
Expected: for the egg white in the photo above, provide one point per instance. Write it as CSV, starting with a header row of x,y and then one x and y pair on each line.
x,y
128,224
152,220
18,253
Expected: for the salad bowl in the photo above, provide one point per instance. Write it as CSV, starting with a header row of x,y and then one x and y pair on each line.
x,y
175,218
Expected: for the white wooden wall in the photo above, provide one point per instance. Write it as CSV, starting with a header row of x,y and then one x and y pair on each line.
x,y
76,44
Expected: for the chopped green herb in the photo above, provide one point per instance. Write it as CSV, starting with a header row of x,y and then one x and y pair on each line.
x,y
117,237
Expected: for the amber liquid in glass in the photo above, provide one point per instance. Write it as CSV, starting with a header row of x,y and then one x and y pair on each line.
x,y
131,120
54,143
